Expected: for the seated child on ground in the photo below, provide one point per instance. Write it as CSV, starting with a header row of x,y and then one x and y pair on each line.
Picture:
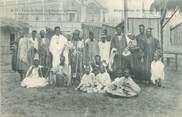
x,y
103,80
157,70
34,77
123,85
87,83
59,74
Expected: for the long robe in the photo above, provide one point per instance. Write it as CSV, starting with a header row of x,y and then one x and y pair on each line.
x,y
124,87
56,47
104,50
43,50
150,46
119,43
22,60
92,49
138,53
33,78
32,49
77,58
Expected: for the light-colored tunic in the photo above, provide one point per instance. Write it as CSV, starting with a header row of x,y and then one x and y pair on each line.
x,y
56,47
157,71
103,80
124,87
34,80
87,83
104,51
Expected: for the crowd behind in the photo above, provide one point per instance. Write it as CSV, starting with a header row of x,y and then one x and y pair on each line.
x,y
114,64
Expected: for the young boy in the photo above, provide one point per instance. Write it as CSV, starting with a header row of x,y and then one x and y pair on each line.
x,y
157,70
103,80
87,83
59,74
34,77
123,85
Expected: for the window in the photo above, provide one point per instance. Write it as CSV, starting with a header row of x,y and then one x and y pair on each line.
x,y
71,17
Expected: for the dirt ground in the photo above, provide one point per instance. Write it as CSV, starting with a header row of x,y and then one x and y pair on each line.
x,y
65,102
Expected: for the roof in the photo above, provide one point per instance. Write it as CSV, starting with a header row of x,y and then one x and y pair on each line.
x,y
12,24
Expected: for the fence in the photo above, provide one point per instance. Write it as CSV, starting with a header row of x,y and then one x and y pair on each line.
x,y
176,34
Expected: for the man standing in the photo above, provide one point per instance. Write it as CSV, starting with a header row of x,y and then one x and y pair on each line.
x,y
138,54
43,50
56,47
32,47
118,45
22,50
92,47
150,46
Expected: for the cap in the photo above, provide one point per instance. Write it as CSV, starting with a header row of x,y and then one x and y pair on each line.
x,y
36,57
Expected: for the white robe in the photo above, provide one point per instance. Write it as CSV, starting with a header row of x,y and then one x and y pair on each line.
x,y
33,43
104,51
157,71
57,44
103,81
34,80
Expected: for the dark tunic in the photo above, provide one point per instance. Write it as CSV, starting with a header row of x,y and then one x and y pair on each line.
x,y
120,43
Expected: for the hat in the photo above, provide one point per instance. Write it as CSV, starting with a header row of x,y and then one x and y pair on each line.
x,y
103,35
36,57
149,29
141,25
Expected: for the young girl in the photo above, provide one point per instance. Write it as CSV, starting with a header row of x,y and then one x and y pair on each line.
x,y
34,76
87,83
123,85
157,70
103,80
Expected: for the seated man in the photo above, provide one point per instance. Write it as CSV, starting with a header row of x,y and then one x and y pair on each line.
x,y
34,77
59,74
103,80
124,86
87,83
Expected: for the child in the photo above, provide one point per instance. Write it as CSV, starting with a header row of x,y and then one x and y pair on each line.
x,y
103,80
87,83
34,76
59,74
157,70
123,85
96,65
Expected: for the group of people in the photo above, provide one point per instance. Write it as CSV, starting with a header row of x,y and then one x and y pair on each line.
x,y
111,64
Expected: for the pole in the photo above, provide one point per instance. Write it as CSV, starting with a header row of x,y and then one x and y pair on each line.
x,y
125,16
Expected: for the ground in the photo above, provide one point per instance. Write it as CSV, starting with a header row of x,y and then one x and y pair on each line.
x,y
65,102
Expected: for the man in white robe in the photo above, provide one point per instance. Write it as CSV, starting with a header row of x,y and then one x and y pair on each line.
x,y
56,47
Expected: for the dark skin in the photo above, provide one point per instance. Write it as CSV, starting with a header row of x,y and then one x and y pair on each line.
x,y
118,30
148,33
34,35
91,36
102,69
42,33
57,31
76,35
141,30
87,70
62,60
103,39
35,65
97,60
